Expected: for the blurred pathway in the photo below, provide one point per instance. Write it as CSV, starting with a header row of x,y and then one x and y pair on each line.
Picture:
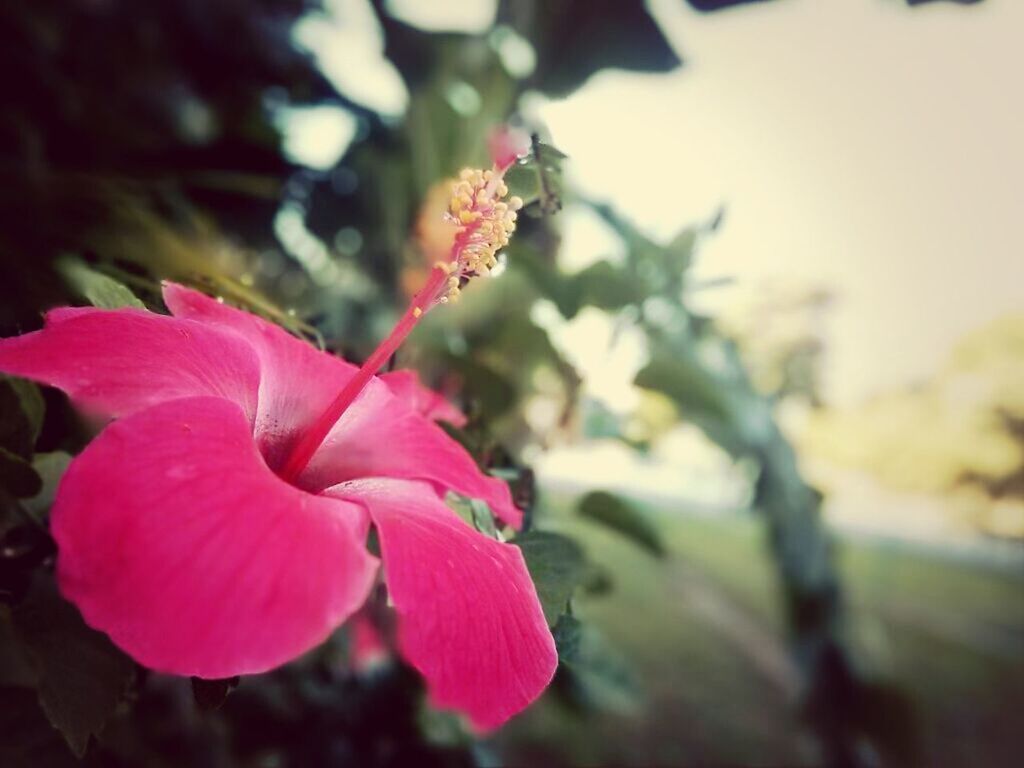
x,y
1003,643
747,634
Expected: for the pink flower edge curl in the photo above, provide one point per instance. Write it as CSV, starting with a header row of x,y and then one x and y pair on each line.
x,y
187,532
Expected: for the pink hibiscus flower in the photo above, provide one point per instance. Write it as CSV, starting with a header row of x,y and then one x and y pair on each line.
x,y
217,525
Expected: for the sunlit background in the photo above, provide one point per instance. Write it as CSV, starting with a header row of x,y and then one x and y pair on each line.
x,y
851,174
867,160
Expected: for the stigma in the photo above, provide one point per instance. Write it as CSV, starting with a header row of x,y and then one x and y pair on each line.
x,y
484,222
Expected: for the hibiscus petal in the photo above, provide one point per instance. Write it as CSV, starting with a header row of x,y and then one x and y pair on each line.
x,y
508,144
469,617
406,385
175,539
368,649
380,437
299,381
116,362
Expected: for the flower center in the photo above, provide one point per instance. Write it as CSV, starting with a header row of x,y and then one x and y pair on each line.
x,y
484,223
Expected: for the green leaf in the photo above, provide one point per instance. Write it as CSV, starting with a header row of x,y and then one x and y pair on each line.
x,y
492,393
597,677
26,739
563,290
15,669
707,382
522,181
608,287
549,155
442,728
574,39
567,632
476,513
623,518
98,289
695,389
81,676
597,580
21,415
538,178
483,519
556,564
679,252
549,175
50,467
17,476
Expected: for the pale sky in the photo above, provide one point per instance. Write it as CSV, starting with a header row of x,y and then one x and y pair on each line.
x,y
855,143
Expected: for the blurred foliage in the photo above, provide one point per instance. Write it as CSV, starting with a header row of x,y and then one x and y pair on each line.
x,y
21,419
97,289
701,371
557,566
78,690
961,432
780,336
621,516
573,40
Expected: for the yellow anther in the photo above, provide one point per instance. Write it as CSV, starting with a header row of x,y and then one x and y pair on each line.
x,y
485,223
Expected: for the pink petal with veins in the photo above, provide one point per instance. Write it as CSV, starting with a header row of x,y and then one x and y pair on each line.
x,y
406,386
176,540
116,362
469,617
381,437
298,380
